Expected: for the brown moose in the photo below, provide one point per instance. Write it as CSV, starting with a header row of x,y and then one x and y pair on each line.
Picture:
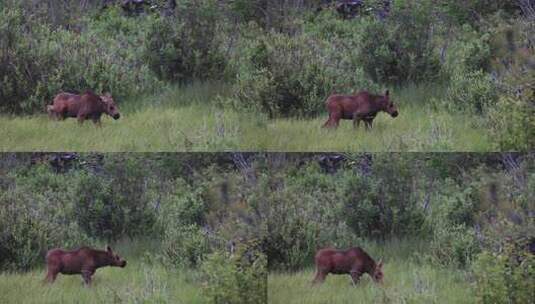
x,y
86,106
354,261
363,106
84,261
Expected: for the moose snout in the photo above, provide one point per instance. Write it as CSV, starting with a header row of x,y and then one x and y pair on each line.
x,y
123,264
395,114
116,116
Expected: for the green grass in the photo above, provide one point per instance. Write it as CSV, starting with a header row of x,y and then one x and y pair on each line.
x,y
188,119
141,281
406,280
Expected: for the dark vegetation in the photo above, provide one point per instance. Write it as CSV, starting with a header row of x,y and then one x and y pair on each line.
x,y
282,58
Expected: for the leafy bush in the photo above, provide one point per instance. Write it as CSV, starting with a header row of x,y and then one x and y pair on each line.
x,y
284,75
95,209
454,241
186,48
472,91
382,206
454,245
228,280
36,217
512,120
23,239
183,207
110,208
37,61
499,280
185,246
400,49
301,217
469,51
505,270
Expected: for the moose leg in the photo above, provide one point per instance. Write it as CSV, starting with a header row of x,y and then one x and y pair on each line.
x,y
96,121
355,277
333,120
86,275
328,122
368,123
356,120
319,277
62,115
51,275
81,118
50,111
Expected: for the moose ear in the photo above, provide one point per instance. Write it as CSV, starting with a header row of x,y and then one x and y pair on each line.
x,y
108,249
107,94
380,264
387,93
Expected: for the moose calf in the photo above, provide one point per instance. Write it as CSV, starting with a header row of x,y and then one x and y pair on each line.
x,y
82,107
354,261
363,106
84,261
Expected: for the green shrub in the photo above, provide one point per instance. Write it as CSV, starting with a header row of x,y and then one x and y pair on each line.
x,y
110,208
512,121
228,280
23,239
133,188
95,209
37,61
186,48
284,75
183,207
382,206
185,246
399,49
302,216
454,245
470,51
472,91
453,241
35,216
505,277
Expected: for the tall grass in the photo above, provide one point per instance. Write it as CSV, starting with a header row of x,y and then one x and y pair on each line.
x,y
408,279
143,280
190,119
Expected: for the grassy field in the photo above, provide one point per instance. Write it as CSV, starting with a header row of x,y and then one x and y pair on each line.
x,y
405,281
141,281
187,119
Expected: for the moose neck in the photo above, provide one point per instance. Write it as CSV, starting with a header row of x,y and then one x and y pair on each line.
x,y
381,104
371,267
103,259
